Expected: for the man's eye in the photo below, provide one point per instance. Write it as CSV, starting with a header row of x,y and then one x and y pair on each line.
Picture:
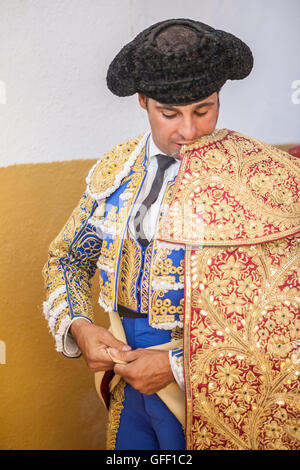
x,y
200,114
168,116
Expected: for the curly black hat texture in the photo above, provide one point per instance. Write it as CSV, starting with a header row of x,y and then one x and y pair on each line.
x,y
178,61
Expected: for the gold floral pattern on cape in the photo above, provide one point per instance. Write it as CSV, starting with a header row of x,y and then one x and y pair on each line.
x,y
232,189
242,355
235,207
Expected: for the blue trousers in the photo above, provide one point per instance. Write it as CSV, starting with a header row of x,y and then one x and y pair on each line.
x,y
146,423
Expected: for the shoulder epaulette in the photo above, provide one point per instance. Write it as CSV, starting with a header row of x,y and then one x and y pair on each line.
x,y
107,173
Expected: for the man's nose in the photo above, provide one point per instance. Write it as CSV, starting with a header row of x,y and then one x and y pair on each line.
x,y
187,129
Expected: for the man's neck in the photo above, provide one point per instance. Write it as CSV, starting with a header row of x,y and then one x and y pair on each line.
x,y
153,149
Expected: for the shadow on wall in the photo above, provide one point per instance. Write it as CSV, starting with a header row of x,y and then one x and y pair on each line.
x,y
47,401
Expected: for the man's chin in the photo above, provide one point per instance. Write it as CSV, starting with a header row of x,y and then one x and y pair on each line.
x,y
176,155
175,151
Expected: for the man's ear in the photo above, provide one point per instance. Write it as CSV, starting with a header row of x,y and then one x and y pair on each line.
x,y
142,100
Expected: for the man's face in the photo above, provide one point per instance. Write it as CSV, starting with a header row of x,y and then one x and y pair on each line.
x,y
174,126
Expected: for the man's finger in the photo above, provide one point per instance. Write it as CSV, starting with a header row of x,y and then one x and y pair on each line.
x,y
113,342
113,357
123,357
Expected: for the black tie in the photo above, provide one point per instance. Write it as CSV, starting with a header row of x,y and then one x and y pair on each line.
x,y
163,162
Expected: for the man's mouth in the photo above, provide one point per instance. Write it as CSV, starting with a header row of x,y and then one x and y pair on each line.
x,y
180,144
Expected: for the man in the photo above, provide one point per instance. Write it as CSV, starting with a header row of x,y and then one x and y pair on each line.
x,y
138,222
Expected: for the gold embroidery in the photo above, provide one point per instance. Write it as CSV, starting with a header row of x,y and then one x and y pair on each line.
x,y
164,270
110,166
163,308
115,409
163,276
240,191
146,279
106,290
116,225
187,349
130,263
72,262
177,333
241,334
162,311
108,255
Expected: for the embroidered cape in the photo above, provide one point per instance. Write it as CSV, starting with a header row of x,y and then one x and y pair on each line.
x,y
236,209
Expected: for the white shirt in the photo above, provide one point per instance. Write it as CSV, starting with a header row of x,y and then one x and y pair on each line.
x,y
150,219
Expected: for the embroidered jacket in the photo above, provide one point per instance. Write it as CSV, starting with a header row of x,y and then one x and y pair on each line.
x,y
147,281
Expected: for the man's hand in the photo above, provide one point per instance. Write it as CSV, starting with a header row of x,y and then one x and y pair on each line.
x,y
93,341
147,371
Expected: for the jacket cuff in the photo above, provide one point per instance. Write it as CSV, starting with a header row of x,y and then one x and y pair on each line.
x,y
57,313
69,345
176,362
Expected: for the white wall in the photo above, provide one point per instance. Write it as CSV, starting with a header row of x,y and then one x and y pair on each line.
x,y
54,55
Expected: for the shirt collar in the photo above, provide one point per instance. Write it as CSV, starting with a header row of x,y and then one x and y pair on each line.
x,y
153,149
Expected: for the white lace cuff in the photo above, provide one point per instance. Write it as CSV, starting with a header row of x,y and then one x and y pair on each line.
x,y
70,348
176,362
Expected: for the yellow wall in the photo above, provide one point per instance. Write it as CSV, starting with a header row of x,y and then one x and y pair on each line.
x,y
47,401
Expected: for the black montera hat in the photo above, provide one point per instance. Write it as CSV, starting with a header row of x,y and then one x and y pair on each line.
x,y
179,61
